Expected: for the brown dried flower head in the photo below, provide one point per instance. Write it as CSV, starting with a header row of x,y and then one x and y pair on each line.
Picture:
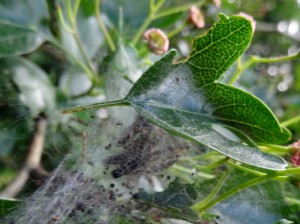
x,y
196,17
158,42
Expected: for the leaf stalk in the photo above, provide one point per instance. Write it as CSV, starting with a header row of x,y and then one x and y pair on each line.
x,y
103,27
255,59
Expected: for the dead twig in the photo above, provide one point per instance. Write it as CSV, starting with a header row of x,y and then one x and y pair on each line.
x,y
32,163
83,146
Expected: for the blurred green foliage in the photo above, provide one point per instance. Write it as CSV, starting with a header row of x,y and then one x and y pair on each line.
x,y
62,72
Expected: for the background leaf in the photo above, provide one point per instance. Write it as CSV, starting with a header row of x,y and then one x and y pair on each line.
x,y
21,26
263,203
36,91
16,40
175,200
7,205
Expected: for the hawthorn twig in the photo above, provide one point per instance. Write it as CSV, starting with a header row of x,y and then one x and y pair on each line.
x,y
32,163
83,152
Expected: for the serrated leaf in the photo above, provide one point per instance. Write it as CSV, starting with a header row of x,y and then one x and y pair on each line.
x,y
175,200
187,100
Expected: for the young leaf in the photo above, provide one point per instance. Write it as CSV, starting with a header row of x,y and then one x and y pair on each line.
x,y
187,100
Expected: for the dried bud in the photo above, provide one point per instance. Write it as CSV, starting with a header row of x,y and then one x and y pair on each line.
x,y
296,145
217,3
158,42
196,17
296,157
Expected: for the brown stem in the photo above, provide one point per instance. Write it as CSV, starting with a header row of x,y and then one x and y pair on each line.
x,y
33,160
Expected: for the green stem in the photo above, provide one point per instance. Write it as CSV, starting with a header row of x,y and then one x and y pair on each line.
x,y
254,60
212,194
295,170
70,11
103,27
153,8
76,8
72,14
240,70
97,105
182,169
254,172
292,200
72,17
291,121
62,21
250,183
274,148
84,55
275,59
245,169
176,30
72,58
236,190
177,9
217,163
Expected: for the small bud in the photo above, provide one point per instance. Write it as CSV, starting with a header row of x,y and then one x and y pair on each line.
x,y
158,42
296,145
196,17
296,157
217,3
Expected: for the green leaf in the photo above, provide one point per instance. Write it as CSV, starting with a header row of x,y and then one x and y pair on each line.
x,y
16,40
21,26
7,205
36,90
175,200
187,100
265,202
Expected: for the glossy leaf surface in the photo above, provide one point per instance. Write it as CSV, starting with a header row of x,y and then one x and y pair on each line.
x,y
187,100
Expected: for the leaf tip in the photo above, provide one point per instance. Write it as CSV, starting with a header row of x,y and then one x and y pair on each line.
x,y
249,18
222,16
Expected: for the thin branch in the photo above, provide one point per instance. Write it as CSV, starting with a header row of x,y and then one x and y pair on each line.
x,y
255,59
83,152
103,27
152,10
32,162
291,121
